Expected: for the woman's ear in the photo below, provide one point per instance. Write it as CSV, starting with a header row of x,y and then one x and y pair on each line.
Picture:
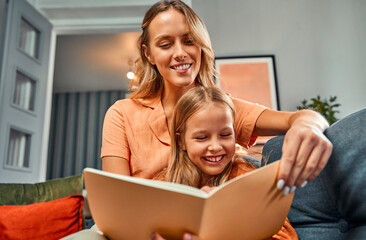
x,y
147,54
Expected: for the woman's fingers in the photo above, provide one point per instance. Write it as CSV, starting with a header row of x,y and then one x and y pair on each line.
x,y
305,154
326,153
288,159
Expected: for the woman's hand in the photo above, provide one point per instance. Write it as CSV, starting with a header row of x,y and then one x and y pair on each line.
x,y
305,150
186,236
305,153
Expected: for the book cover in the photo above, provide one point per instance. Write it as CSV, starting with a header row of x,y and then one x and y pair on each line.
x,y
247,207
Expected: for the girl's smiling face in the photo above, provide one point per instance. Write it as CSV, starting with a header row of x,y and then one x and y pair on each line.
x,y
172,49
209,139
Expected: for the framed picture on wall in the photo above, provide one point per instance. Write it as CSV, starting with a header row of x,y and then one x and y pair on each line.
x,y
251,78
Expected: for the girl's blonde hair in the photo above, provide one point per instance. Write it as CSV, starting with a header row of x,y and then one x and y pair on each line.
x,y
148,81
181,169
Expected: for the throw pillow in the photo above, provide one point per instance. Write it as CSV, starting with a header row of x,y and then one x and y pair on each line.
x,y
46,220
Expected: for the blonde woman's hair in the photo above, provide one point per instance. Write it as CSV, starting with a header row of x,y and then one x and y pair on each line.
x,y
181,169
148,82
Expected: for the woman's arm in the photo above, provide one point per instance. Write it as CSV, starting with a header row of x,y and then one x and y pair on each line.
x,y
116,165
305,150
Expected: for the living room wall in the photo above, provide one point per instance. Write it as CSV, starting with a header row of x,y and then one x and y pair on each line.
x,y
319,45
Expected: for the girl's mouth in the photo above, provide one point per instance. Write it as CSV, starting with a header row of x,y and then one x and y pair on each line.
x,y
214,158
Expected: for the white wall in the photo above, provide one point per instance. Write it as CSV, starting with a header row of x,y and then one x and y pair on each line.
x,y
319,45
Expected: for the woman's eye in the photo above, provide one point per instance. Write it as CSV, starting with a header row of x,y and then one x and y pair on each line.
x,y
164,45
189,41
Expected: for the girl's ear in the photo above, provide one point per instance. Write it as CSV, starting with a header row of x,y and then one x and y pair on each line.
x,y
147,54
181,143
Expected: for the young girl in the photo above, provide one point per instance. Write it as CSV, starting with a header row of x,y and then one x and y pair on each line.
x,y
203,146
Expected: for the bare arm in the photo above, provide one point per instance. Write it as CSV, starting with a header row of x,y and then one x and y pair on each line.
x,y
305,150
116,165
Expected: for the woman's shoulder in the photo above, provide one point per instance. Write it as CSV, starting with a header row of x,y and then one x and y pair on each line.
x,y
129,104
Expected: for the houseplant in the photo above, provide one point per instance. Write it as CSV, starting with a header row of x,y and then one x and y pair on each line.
x,y
325,107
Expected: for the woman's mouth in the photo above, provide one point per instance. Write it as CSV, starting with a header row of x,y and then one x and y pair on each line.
x,y
181,67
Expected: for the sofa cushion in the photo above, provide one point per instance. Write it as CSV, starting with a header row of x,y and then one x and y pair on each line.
x,y
46,220
21,194
333,205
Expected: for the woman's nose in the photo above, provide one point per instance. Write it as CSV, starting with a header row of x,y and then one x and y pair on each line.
x,y
179,51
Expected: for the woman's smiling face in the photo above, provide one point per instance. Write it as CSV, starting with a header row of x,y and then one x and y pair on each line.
x,y
173,50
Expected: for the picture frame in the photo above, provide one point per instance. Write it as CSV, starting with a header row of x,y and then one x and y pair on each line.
x,y
251,78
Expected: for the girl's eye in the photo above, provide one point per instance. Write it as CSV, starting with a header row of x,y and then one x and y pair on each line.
x,y
226,135
201,138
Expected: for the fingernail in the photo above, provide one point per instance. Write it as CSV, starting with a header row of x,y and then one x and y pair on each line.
x,y
187,236
280,184
153,236
293,189
304,184
286,191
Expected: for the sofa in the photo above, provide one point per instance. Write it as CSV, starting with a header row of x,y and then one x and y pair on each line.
x,y
333,205
46,210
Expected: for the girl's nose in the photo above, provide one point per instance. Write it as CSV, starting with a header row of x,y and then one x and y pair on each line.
x,y
215,146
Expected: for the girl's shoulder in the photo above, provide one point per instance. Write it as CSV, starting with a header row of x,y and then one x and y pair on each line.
x,y
240,167
160,176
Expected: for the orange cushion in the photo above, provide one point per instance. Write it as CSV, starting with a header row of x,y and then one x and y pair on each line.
x,y
46,220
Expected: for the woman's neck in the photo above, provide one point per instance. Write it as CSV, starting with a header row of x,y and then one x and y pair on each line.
x,y
170,98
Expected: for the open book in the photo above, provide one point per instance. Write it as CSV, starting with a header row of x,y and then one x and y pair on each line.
x,y
247,207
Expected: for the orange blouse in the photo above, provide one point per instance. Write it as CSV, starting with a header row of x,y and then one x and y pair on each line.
x,y
136,129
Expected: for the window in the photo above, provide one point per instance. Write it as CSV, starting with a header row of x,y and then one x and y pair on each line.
x,y
18,149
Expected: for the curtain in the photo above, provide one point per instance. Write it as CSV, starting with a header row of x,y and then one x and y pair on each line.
x,y
76,131
23,95
18,149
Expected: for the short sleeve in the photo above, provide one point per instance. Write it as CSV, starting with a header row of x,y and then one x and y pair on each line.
x,y
114,142
246,117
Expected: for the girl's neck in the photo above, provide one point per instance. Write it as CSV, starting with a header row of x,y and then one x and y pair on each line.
x,y
206,180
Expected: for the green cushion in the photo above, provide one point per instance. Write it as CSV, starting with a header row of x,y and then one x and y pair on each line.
x,y
22,194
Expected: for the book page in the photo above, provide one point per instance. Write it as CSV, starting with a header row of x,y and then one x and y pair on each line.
x,y
179,188
248,207
127,210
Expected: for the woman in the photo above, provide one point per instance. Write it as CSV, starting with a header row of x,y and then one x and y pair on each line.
x,y
176,55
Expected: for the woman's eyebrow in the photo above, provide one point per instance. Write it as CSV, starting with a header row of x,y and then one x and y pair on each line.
x,y
161,37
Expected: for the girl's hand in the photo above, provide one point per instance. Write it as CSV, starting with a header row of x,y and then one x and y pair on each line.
x,y
186,236
207,189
